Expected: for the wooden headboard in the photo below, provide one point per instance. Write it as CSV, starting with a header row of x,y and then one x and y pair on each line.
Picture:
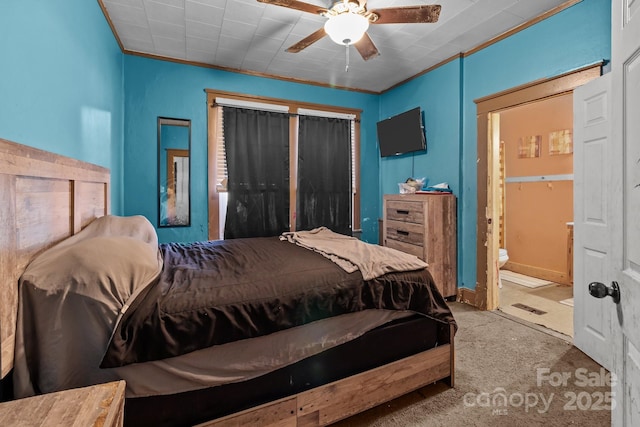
x,y
44,198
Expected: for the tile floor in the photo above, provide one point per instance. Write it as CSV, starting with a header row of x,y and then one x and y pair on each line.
x,y
557,316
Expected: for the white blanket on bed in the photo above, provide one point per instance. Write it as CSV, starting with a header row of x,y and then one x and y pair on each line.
x,y
352,254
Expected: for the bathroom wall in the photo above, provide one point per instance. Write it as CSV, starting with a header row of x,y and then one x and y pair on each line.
x,y
539,190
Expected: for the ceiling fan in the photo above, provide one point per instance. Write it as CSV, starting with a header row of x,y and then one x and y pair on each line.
x,y
348,21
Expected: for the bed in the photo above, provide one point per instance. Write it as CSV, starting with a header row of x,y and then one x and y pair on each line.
x,y
250,372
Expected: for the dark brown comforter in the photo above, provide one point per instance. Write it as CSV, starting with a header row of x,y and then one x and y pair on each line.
x,y
216,292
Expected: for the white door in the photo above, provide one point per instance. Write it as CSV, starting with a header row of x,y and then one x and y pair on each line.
x,y
592,221
620,215
625,70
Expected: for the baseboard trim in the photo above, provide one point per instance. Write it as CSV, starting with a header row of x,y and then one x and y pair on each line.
x,y
540,273
467,296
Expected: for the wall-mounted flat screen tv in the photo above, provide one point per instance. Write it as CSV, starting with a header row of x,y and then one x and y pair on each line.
x,y
401,134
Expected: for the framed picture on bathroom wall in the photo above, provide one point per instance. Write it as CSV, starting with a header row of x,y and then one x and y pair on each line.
x,y
529,146
561,142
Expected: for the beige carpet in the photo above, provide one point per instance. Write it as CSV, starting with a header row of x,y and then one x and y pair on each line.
x,y
495,357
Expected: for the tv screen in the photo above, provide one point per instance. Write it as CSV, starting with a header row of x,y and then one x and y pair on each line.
x,y
401,134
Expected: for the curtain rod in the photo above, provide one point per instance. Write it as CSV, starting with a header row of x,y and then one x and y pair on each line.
x,y
224,102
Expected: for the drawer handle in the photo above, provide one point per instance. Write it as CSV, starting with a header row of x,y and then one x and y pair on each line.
x,y
402,212
402,232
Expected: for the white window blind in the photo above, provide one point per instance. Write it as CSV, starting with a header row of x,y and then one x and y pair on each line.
x,y
352,123
323,113
239,103
221,154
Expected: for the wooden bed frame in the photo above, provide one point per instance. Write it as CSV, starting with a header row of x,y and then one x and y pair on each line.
x,y
45,198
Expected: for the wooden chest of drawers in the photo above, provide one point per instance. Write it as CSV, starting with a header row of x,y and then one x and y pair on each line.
x,y
425,225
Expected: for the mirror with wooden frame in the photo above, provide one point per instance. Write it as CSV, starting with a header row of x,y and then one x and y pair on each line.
x,y
174,158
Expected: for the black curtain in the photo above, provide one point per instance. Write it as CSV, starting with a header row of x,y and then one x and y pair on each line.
x,y
324,174
257,150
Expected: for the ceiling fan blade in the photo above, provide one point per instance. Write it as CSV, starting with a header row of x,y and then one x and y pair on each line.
x,y
366,47
307,41
297,5
408,14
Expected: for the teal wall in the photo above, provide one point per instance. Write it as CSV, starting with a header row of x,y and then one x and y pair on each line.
x,y
67,88
61,82
577,36
158,88
438,95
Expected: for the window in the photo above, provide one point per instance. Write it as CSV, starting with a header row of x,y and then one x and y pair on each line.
x,y
324,192
257,156
218,172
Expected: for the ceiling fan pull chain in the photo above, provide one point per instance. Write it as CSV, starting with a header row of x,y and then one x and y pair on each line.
x,y
346,68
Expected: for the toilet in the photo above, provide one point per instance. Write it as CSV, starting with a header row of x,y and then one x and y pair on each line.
x,y
503,257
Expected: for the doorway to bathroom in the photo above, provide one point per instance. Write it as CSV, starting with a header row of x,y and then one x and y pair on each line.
x,y
535,205
509,215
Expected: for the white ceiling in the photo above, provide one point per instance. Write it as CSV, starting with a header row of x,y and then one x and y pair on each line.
x,y
250,36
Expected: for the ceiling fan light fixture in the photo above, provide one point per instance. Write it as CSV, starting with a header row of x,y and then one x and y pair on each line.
x,y
346,28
